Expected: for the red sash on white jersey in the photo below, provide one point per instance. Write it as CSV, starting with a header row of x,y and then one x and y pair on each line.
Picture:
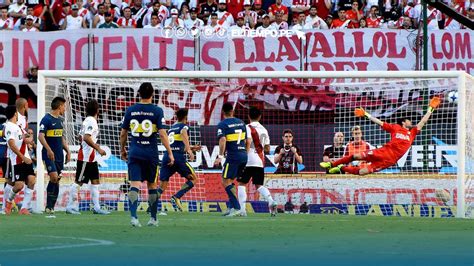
x,y
459,9
123,22
431,16
256,143
223,19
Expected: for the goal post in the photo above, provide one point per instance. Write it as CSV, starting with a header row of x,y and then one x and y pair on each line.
x,y
313,103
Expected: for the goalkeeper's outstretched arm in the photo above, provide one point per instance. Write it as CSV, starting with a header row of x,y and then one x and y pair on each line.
x,y
434,103
360,112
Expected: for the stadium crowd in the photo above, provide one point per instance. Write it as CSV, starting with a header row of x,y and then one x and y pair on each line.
x,y
222,15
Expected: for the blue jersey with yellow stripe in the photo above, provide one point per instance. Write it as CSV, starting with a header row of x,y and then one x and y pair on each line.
x,y
176,141
143,122
3,143
235,133
52,128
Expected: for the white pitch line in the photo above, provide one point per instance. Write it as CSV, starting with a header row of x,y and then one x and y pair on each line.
x,y
95,242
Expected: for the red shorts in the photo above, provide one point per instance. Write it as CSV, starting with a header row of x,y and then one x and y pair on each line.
x,y
379,159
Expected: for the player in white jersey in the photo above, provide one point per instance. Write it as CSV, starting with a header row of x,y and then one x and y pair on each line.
x,y
259,146
87,166
22,167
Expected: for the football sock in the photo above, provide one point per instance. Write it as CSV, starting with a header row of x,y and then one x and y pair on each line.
x,y
185,188
12,195
95,196
266,194
242,192
153,202
6,192
133,201
234,203
27,198
49,195
73,196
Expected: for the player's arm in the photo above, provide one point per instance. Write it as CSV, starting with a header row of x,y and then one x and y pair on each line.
x,y
187,146
123,143
297,153
88,139
66,149
434,103
247,145
14,148
166,143
222,143
42,140
360,112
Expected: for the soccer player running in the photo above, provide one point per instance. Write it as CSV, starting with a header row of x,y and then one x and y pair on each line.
x,y
232,133
144,120
178,136
402,136
5,165
22,171
53,141
259,146
87,166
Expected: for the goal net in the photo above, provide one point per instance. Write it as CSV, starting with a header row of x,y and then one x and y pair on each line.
x,y
433,179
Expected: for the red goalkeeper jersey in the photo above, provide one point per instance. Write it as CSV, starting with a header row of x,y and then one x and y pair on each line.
x,y
401,139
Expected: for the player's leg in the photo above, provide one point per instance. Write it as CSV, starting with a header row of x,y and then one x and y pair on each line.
x,y
92,172
5,165
186,171
229,173
18,179
152,172
135,178
72,205
258,181
29,189
242,189
52,190
343,161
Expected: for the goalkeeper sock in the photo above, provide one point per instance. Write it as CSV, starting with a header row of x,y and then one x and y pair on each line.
x,y
27,198
153,202
6,192
242,196
95,194
185,188
351,169
133,201
266,194
343,160
233,202
73,196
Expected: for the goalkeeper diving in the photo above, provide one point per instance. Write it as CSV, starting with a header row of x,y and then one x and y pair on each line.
x,y
402,136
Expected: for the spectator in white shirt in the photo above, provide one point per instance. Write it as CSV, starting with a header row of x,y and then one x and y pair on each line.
x,y
279,24
194,22
174,22
73,21
313,21
266,25
250,16
6,22
29,26
154,22
301,23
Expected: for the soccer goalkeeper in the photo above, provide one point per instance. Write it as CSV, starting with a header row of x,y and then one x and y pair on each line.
x,y
402,136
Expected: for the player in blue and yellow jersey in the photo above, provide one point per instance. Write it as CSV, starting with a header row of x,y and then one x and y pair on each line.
x,y
144,121
232,135
53,140
178,136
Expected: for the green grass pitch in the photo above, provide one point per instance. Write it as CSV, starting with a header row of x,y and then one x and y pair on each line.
x,y
210,239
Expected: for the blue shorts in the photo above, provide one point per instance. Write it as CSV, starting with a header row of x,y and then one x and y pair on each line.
x,y
232,170
55,166
142,170
182,167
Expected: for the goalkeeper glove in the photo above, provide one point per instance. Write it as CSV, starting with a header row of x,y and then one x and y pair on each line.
x,y
434,103
360,112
